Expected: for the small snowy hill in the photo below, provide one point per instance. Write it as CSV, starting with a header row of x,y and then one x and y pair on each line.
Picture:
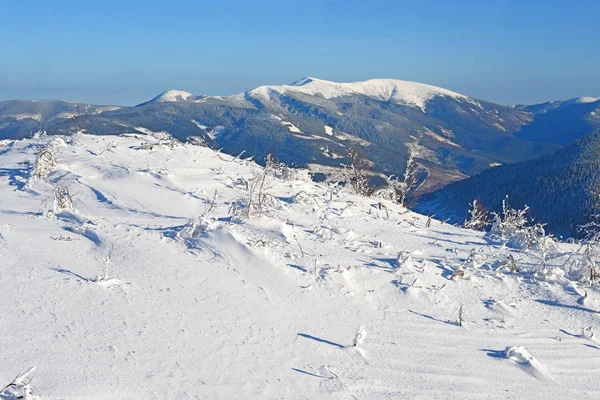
x,y
132,267
389,90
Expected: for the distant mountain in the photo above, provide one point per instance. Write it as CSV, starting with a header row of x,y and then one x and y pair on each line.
x,y
560,122
171,95
560,188
312,123
21,118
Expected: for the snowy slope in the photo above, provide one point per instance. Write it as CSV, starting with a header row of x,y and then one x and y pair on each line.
x,y
124,298
392,90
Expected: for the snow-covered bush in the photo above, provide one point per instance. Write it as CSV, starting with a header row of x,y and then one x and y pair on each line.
x,y
358,173
392,190
510,226
284,172
478,218
45,161
584,265
537,239
63,198
194,228
256,198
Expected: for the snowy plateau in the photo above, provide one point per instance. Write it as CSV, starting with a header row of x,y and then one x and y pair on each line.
x,y
133,267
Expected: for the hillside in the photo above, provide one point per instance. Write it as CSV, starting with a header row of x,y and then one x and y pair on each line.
x,y
561,122
131,268
560,189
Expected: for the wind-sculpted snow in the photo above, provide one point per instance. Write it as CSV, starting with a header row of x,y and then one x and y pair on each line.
x,y
160,283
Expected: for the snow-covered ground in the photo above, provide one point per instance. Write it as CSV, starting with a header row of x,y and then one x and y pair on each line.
x,y
149,289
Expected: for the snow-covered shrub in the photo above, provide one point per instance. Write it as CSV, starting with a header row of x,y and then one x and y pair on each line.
x,y
392,191
106,278
357,173
76,138
584,265
510,226
256,198
478,218
537,239
194,228
45,161
63,198
284,172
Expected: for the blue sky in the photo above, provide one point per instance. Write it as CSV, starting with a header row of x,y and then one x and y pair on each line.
x,y
125,52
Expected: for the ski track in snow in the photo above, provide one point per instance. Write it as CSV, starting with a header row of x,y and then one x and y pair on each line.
x,y
266,307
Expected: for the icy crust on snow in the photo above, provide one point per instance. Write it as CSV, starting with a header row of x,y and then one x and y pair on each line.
x,y
390,90
154,285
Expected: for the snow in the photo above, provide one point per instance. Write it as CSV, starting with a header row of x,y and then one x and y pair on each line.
x,y
389,90
19,117
293,128
171,95
199,125
145,290
329,130
582,100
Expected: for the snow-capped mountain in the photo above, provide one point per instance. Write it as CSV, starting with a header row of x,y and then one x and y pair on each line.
x,y
313,123
170,96
561,189
386,90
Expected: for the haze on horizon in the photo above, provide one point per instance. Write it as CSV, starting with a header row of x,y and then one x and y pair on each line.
x,y
125,53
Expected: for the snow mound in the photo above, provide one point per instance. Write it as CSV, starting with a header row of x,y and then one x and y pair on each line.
x,y
521,356
388,90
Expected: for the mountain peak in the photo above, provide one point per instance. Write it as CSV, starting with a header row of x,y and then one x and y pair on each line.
x,y
390,90
582,100
171,95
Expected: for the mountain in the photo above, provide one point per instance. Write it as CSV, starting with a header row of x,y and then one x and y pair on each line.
x,y
560,189
21,118
170,95
313,123
561,122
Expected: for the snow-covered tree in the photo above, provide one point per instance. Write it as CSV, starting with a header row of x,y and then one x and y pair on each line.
x,y
410,180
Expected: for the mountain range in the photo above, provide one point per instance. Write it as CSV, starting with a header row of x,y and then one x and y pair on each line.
x,y
313,123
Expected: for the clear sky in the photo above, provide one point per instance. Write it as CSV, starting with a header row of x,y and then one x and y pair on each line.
x,y
125,52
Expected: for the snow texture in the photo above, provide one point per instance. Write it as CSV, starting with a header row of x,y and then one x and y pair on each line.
x,y
151,288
